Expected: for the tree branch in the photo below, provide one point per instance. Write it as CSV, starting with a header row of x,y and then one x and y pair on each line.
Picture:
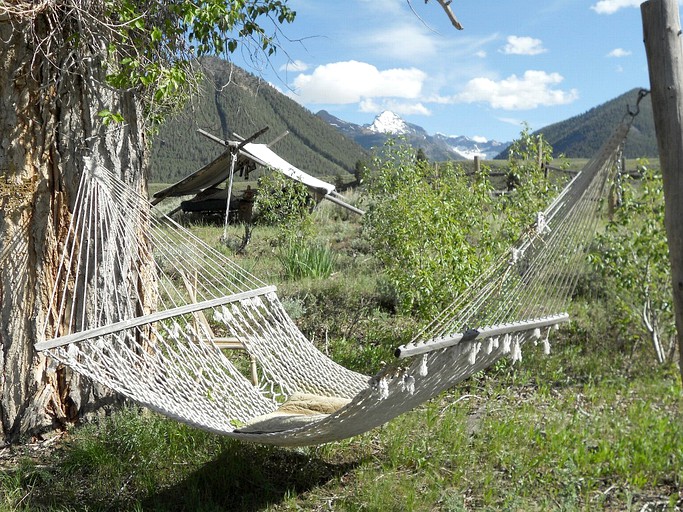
x,y
446,4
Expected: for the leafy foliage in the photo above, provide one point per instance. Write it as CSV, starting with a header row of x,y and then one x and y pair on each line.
x,y
435,229
528,184
632,256
429,229
155,41
282,202
149,47
286,204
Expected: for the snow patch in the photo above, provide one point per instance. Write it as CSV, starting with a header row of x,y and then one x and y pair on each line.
x,y
388,122
469,153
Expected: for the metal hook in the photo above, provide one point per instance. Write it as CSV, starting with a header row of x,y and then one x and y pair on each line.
x,y
641,94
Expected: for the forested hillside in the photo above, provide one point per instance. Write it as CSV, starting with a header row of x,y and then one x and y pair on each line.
x,y
232,100
581,136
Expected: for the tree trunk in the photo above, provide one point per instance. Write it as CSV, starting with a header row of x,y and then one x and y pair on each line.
x,y
662,34
49,100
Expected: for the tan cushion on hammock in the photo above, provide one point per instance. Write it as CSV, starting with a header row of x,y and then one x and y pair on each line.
x,y
301,403
278,422
298,411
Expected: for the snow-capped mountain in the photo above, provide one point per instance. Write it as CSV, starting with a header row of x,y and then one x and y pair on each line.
x,y
436,147
390,123
469,147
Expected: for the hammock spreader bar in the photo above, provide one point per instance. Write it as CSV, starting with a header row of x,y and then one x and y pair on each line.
x,y
414,349
148,319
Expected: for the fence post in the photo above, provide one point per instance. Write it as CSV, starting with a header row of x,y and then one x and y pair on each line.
x,y
662,36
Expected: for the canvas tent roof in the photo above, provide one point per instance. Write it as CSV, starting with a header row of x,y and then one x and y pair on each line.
x,y
263,155
218,170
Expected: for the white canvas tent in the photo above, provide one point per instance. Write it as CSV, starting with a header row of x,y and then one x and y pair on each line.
x,y
249,155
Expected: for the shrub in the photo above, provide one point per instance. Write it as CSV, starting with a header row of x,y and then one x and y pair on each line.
x,y
283,202
631,256
434,228
429,229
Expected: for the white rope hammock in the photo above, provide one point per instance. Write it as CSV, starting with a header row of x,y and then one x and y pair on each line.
x,y
143,306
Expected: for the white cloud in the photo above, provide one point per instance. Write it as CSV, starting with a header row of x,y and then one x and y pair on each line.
x,y
534,89
619,52
294,66
522,45
352,81
402,42
612,6
402,108
481,54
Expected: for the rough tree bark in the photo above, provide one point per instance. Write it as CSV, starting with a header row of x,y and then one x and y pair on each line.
x,y
49,100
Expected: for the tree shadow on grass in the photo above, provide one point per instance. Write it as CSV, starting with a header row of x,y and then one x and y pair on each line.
x,y
246,477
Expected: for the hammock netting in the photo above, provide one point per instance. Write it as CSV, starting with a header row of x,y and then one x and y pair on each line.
x,y
146,308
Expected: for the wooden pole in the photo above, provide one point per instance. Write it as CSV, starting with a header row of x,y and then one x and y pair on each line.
x,y
662,35
477,165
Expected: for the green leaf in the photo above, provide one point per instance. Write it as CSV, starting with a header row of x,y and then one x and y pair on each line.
x,y
109,117
156,35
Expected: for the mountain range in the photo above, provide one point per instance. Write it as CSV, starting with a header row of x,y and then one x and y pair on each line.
x,y
437,147
577,137
234,102
581,136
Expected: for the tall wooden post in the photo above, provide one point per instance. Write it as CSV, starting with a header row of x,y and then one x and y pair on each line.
x,y
662,35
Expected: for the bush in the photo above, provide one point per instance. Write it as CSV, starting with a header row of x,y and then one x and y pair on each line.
x,y
282,202
430,229
632,258
435,229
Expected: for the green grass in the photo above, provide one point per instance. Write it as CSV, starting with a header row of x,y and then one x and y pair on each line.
x,y
576,430
593,426
302,260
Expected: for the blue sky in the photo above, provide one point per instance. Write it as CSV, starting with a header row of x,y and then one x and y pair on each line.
x,y
516,61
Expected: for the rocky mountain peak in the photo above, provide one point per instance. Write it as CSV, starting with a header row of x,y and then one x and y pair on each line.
x,y
389,123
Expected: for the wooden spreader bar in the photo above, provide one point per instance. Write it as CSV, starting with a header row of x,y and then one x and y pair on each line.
x,y
417,348
148,319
